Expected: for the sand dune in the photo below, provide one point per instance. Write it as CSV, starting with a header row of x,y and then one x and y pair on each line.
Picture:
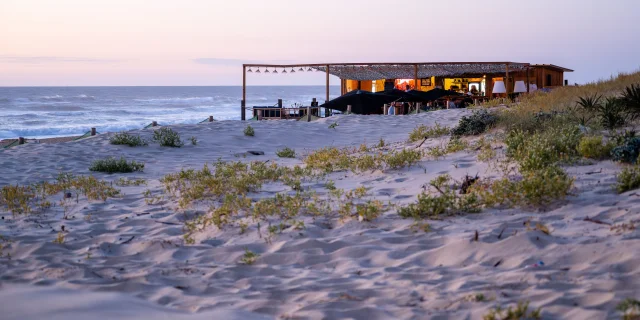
x,y
384,269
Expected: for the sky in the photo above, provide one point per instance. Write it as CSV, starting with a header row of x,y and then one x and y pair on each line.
x,y
205,42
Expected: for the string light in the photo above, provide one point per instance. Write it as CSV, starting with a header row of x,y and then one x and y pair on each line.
x,y
309,69
249,70
284,70
274,70
258,71
266,70
301,69
292,70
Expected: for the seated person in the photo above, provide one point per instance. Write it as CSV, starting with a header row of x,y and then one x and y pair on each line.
x,y
474,90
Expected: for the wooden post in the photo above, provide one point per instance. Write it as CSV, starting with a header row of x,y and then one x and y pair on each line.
x,y
259,114
447,104
475,102
154,124
279,103
20,140
327,82
210,118
348,109
309,114
385,109
93,131
418,106
415,77
528,80
506,81
243,107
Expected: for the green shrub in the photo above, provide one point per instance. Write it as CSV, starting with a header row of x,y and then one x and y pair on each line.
x,y
541,149
446,201
628,179
402,158
286,152
113,165
167,137
586,109
612,113
521,312
628,151
631,100
593,147
475,124
422,132
248,131
194,140
630,309
124,138
534,188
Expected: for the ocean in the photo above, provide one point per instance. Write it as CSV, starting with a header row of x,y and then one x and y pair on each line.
x,y
43,112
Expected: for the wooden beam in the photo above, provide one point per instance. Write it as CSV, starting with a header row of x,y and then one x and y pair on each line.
x,y
415,77
528,80
243,104
327,72
375,64
506,80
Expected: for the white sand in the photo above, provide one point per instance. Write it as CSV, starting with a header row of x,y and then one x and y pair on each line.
x,y
372,270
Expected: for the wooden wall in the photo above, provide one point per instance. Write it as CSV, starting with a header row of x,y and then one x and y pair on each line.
x,y
541,74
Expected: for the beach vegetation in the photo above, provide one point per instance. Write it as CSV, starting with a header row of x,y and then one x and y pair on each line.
x,y
476,123
381,143
286,152
59,238
423,132
333,125
113,165
249,132
519,312
444,200
167,137
249,257
538,150
628,179
124,182
194,140
630,309
628,149
403,158
125,138
486,152
594,147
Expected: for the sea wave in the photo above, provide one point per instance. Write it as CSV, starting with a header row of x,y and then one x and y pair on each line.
x,y
176,99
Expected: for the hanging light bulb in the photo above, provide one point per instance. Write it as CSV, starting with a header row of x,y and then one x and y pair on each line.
x,y
266,70
274,70
249,70
284,70
301,69
258,71
292,70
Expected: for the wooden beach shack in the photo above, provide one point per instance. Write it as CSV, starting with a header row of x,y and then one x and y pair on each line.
x,y
482,80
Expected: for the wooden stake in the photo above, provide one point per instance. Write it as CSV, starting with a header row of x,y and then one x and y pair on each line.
x,y
308,114
93,131
243,107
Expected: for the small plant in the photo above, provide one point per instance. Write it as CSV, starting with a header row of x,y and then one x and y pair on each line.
x,y
422,132
542,149
402,158
612,113
631,100
628,179
381,143
167,137
475,124
113,165
630,309
59,238
194,140
286,152
479,297
586,109
249,132
333,125
124,138
445,202
520,312
539,226
249,257
456,144
628,151
594,148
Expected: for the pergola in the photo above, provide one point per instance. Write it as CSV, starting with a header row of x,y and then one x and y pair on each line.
x,y
393,70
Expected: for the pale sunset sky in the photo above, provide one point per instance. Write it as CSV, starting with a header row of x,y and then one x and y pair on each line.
x,y
199,42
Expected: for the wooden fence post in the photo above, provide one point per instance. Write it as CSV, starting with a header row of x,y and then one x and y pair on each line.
x,y
348,109
93,131
418,106
308,114
385,109
210,118
259,114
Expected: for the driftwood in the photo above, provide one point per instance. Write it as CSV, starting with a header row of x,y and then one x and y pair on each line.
x,y
596,221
